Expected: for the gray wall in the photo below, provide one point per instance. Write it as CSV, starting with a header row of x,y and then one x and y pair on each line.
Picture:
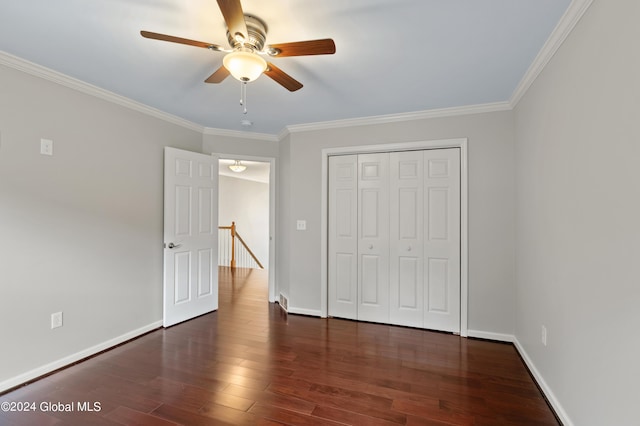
x,y
239,145
82,230
578,204
491,207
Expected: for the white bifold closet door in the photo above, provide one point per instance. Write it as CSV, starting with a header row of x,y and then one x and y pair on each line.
x,y
406,280
373,237
394,238
343,237
442,239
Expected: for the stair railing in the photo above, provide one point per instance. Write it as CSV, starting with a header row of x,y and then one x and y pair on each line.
x,y
232,254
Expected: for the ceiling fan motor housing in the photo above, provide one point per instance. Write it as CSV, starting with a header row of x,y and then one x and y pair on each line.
x,y
257,36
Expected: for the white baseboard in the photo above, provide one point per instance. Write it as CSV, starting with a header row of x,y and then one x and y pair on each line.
x,y
68,360
548,393
546,390
491,336
302,311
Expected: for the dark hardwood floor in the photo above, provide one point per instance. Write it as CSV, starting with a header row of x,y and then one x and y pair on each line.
x,y
250,363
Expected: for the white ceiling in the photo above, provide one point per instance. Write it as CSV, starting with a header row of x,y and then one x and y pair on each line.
x,y
393,56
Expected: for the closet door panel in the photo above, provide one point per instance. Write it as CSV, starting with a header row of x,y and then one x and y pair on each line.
x,y
373,244
343,237
442,239
371,296
406,296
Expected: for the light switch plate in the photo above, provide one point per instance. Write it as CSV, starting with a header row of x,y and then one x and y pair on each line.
x,y
46,147
301,225
56,320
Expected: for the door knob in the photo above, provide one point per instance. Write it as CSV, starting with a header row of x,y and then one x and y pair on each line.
x,y
370,246
171,245
409,248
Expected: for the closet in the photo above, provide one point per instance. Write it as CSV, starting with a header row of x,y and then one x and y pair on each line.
x,y
394,238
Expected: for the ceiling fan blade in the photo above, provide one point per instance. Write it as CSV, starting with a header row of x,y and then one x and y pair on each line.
x,y
282,78
180,40
218,76
325,46
234,17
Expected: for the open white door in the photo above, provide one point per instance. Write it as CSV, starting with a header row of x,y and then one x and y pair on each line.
x,y
190,235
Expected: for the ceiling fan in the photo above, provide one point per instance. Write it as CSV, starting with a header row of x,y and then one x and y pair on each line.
x,y
247,36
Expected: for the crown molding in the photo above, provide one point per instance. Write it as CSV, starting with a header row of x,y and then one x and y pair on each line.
x,y
36,70
240,134
567,23
394,118
569,20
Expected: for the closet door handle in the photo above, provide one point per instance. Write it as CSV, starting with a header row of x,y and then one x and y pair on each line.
x,y
370,246
409,248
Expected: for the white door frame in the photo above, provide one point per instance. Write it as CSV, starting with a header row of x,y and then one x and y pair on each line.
x,y
464,212
272,213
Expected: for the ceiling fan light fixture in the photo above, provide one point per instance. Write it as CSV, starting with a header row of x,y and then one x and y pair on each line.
x,y
237,167
245,66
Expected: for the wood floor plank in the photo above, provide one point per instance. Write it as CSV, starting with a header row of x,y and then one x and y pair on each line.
x,y
286,398
433,413
36,418
350,417
250,363
290,417
124,415
222,416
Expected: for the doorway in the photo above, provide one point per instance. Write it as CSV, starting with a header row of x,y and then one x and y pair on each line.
x,y
247,198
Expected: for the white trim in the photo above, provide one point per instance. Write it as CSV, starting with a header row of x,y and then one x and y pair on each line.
x,y
394,118
89,89
569,20
489,335
571,17
546,390
240,134
56,77
73,358
464,213
272,286
302,311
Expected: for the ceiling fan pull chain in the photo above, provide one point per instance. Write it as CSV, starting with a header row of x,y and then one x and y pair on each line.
x,y
243,96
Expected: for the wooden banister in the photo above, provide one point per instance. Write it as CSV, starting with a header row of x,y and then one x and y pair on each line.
x,y
249,251
234,235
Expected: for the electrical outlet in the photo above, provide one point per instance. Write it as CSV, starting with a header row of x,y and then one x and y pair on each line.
x,y
56,320
301,225
543,335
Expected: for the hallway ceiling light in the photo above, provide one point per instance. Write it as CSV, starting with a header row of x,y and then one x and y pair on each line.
x,y
237,167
